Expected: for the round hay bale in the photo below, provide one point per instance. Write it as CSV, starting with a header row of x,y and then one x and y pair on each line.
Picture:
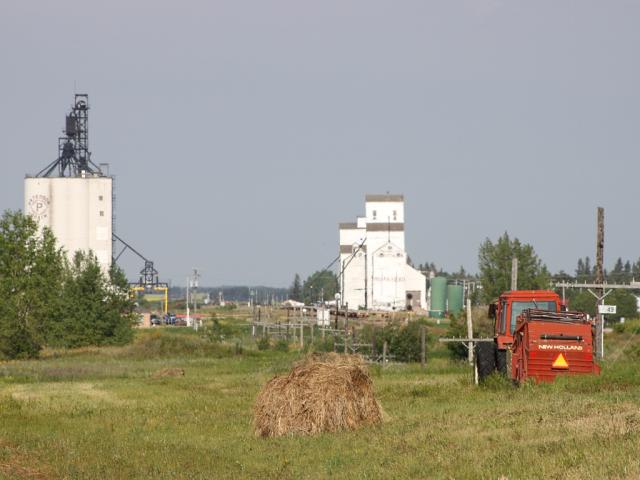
x,y
322,393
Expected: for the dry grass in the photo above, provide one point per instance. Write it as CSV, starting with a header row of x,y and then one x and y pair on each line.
x,y
16,464
169,372
322,393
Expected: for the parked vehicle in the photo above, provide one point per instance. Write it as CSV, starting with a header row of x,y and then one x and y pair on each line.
x,y
491,356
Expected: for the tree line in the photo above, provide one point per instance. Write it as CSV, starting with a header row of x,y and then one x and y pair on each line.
x,y
47,300
319,286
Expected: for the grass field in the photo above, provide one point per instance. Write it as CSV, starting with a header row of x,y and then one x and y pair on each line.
x,y
100,414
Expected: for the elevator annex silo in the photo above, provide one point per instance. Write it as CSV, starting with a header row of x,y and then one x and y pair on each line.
x,y
73,196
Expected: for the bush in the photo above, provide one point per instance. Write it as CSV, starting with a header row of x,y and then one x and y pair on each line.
x,y
320,345
263,343
281,345
457,329
403,342
216,332
482,328
18,343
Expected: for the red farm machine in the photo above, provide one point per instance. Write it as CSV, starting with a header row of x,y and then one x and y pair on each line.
x,y
547,344
535,337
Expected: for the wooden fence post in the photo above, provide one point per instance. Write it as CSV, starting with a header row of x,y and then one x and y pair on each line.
x,y
373,343
346,338
423,346
384,353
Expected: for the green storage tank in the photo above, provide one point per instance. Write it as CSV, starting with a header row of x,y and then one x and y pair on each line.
x,y
438,297
454,299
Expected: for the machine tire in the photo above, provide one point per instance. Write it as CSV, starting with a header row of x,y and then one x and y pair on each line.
x,y
501,361
485,359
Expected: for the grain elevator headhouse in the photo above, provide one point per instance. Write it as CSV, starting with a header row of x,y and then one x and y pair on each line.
x,y
72,195
373,262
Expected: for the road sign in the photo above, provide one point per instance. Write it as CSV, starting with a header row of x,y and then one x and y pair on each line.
x,y
607,309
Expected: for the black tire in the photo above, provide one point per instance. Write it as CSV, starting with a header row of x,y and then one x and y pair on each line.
x,y
501,361
485,359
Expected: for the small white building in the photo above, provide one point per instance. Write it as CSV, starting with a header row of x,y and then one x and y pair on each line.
x,y
373,260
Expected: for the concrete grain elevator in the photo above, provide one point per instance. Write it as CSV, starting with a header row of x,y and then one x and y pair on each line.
x,y
72,195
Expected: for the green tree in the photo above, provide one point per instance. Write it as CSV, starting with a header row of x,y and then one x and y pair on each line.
x,y
31,270
626,304
583,301
635,269
295,292
494,260
624,300
120,316
587,267
617,274
98,309
320,285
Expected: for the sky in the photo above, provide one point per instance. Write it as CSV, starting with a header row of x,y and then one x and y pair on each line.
x,y
241,132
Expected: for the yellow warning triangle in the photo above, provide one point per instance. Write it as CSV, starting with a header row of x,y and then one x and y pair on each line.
x,y
560,362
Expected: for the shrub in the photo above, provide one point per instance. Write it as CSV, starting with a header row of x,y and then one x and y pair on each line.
x,y
320,345
263,343
281,345
457,329
403,342
216,331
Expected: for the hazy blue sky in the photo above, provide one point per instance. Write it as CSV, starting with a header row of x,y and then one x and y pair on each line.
x,y
242,132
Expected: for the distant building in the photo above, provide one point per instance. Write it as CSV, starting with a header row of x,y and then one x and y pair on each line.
x,y
373,256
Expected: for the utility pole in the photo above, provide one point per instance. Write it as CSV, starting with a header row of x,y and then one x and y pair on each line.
x,y
514,274
187,302
600,289
196,277
469,331
366,286
600,281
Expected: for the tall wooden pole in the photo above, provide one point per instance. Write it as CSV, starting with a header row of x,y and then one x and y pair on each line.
x,y
600,281
514,273
469,331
